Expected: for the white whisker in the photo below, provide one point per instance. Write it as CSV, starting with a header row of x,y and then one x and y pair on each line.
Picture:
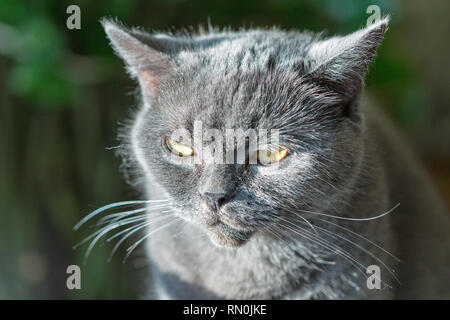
x,y
133,230
117,216
110,227
360,236
334,235
334,249
352,219
303,218
113,205
131,248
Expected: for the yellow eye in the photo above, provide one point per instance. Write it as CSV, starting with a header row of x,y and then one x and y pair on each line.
x,y
267,157
178,149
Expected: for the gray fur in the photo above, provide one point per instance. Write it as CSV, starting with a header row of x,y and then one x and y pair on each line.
x,y
345,160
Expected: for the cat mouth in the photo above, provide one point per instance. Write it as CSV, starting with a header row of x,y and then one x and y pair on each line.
x,y
224,235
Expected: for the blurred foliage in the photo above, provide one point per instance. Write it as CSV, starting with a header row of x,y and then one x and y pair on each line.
x,y
63,92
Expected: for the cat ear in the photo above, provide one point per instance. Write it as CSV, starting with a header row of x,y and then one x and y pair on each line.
x,y
341,63
144,56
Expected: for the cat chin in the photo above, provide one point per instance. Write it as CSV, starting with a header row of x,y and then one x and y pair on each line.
x,y
224,237
223,241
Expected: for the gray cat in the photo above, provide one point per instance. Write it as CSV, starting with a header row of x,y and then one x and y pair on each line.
x,y
336,207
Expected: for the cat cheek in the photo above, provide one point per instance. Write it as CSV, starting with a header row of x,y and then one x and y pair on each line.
x,y
272,170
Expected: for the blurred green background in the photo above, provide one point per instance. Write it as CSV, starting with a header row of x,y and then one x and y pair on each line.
x,y
63,93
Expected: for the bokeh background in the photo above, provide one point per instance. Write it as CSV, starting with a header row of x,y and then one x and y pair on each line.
x,y
63,93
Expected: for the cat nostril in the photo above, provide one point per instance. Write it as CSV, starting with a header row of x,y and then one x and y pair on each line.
x,y
214,200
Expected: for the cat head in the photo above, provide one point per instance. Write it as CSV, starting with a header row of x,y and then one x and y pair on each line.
x,y
241,129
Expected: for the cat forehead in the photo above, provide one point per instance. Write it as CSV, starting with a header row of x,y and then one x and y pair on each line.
x,y
210,114
246,80
257,100
247,50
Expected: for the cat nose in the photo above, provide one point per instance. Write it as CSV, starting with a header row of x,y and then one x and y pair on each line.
x,y
214,200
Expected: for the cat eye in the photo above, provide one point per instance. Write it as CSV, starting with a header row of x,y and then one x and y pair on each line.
x,y
267,157
178,148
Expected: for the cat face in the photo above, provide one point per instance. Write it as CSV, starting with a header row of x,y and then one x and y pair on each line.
x,y
242,129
